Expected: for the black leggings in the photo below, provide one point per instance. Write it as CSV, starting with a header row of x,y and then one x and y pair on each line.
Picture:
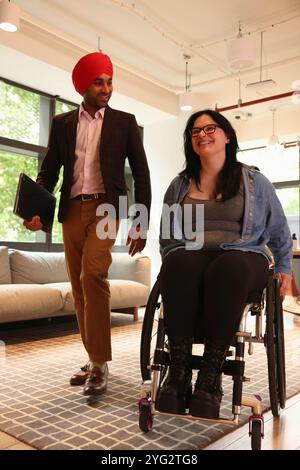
x,y
204,292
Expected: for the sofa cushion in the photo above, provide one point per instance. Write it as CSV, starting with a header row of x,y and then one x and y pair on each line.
x,y
24,301
37,267
135,268
124,294
5,276
66,294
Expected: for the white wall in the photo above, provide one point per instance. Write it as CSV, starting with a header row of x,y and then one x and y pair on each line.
x,y
164,147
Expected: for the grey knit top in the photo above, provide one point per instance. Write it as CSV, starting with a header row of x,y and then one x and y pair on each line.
x,y
222,220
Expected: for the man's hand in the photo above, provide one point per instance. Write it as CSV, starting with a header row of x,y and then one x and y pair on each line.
x,y
285,283
137,240
34,224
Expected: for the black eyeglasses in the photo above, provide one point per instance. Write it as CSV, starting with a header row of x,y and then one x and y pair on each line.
x,y
208,129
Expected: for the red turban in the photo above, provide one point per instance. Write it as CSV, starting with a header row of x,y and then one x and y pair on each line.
x,y
88,68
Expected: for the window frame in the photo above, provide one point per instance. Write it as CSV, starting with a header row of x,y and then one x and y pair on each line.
x,y
284,184
18,146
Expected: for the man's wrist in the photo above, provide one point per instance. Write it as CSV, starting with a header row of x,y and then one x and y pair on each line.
x,y
137,232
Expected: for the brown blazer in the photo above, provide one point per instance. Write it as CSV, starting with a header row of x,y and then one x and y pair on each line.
x,y
120,138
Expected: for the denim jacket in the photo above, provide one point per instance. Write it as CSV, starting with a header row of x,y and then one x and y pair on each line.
x,y
264,222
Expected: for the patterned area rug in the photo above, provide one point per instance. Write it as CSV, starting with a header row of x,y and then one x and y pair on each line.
x,y
40,408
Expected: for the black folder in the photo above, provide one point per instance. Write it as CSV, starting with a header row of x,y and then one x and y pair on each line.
x,y
32,199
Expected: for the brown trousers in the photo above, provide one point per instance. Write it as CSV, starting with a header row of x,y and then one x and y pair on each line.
x,y
88,259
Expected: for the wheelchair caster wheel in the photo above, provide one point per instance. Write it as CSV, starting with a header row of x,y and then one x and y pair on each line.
x,y
256,431
145,415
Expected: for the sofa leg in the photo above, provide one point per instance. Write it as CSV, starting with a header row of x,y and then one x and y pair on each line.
x,y
130,310
135,313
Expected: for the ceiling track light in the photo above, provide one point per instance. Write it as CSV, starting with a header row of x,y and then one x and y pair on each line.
x,y
9,16
238,113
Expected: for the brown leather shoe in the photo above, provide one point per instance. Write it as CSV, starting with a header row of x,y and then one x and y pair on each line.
x,y
80,377
96,383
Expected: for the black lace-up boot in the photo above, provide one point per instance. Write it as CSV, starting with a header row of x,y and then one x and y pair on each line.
x,y
176,390
207,396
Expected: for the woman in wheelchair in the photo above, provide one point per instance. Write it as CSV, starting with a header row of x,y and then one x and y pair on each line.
x,y
205,280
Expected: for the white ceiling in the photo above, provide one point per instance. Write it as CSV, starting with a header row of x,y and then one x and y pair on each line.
x,y
149,38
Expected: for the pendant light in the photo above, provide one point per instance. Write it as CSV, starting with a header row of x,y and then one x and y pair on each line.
x,y
273,141
241,51
9,16
261,84
186,98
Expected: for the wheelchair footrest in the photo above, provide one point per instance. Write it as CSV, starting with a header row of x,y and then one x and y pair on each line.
x,y
230,367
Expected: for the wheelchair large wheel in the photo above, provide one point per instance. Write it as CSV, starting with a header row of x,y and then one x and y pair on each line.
x,y
274,340
279,344
149,331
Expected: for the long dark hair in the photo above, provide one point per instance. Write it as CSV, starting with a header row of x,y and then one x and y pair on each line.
x,y
230,176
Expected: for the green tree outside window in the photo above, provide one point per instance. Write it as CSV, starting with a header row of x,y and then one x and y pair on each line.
x,y
20,114
11,165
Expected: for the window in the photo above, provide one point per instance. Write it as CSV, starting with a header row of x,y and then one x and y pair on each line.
x,y
290,199
25,120
282,168
277,165
64,106
20,114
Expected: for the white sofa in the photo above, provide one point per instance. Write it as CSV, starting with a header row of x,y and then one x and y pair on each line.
x,y
35,284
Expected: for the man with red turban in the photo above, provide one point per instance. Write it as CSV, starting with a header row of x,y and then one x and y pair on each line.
x,y
91,144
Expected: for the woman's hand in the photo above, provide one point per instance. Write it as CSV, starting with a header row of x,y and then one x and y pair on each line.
x,y
285,283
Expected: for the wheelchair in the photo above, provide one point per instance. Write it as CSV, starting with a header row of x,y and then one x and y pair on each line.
x,y
268,329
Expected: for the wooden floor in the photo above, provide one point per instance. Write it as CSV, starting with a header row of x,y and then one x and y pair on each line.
x,y
11,443
281,433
